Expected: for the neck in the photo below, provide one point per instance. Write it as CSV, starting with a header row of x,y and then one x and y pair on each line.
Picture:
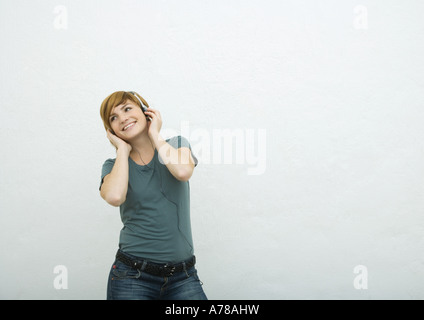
x,y
142,144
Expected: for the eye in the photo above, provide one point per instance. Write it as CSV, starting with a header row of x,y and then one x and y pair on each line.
x,y
112,118
127,108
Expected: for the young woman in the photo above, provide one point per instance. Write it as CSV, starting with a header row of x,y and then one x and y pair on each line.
x,y
148,180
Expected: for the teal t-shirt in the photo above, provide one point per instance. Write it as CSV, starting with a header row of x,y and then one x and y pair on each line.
x,y
156,212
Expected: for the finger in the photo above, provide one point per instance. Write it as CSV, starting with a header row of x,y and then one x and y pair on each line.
x,y
150,113
109,134
154,112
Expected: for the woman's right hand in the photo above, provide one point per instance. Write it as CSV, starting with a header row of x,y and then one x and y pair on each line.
x,y
118,142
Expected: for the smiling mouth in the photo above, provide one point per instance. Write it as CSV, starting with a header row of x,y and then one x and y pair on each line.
x,y
129,126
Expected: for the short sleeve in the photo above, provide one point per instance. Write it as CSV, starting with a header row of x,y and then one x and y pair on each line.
x,y
106,169
181,142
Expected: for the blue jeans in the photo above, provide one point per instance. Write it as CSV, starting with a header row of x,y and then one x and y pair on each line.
x,y
126,283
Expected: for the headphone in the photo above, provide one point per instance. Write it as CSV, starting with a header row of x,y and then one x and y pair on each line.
x,y
143,107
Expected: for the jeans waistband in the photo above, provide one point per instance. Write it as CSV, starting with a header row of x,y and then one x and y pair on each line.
x,y
162,270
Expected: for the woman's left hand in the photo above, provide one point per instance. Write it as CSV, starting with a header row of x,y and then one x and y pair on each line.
x,y
155,123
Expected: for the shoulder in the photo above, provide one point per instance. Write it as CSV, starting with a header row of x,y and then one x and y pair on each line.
x,y
109,163
181,142
107,168
110,160
178,142
173,139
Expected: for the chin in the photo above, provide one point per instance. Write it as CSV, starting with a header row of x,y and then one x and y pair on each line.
x,y
134,134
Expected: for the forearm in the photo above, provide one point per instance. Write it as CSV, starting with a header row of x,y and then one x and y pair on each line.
x,y
115,187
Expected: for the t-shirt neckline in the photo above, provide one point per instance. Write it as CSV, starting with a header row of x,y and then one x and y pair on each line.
x,y
149,165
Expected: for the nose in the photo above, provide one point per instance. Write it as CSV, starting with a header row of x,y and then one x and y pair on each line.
x,y
123,118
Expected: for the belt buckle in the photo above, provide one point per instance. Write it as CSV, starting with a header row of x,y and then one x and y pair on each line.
x,y
137,265
168,270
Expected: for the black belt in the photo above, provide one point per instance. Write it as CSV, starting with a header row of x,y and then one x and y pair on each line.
x,y
161,270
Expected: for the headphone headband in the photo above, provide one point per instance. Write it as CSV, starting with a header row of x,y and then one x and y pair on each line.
x,y
143,107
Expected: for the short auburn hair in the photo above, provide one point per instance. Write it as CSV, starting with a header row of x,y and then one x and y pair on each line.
x,y
115,99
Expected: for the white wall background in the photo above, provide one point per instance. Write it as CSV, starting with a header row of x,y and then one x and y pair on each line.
x,y
343,111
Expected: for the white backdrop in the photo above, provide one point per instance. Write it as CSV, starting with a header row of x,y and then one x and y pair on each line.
x,y
323,101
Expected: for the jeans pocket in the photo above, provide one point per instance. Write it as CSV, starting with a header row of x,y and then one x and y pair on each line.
x,y
122,271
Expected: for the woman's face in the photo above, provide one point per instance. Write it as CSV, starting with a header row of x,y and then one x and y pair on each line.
x,y
127,120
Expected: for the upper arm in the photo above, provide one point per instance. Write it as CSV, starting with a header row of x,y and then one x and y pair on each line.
x,y
184,148
102,187
187,163
106,169
113,201
186,159
104,179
